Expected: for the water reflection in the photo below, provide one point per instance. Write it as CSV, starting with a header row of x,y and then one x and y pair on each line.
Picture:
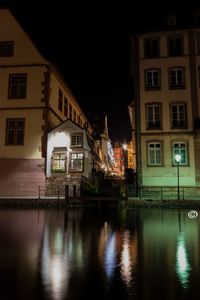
x,y
110,256
76,254
55,265
182,265
125,259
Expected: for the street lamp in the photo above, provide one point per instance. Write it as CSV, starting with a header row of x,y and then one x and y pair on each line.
x,y
178,159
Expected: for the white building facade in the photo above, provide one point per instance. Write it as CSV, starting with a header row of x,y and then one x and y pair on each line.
x,y
165,112
34,99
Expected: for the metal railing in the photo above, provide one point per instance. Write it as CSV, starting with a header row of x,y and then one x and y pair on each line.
x,y
163,193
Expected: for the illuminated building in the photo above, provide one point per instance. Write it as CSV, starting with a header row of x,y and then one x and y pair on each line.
x,y
131,161
34,101
104,145
165,112
119,162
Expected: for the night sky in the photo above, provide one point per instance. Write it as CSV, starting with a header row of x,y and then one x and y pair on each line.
x,y
90,45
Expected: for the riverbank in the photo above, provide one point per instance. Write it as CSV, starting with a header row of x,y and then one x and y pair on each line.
x,y
101,202
132,203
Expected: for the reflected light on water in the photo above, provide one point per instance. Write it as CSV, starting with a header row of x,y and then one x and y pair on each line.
x,y
103,240
182,265
55,267
125,259
110,256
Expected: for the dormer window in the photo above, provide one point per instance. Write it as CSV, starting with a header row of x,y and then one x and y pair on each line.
x,y
77,140
6,48
171,20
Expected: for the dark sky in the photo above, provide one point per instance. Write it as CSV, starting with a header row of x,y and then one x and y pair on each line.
x,y
90,45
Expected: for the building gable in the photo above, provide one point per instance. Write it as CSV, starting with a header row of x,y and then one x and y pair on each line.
x,y
24,50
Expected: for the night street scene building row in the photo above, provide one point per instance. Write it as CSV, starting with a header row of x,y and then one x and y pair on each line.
x,y
39,112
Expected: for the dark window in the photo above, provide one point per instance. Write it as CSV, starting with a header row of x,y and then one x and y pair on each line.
x,y
6,49
74,119
60,100
152,79
175,46
17,86
171,20
151,48
178,115
15,131
70,111
66,107
153,116
177,78
198,42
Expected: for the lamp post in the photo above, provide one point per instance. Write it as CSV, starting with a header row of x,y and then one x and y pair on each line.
x,y
178,159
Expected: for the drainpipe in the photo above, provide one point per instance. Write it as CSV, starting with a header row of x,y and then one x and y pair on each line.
x,y
137,117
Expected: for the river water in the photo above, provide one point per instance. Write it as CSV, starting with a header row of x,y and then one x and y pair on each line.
x,y
96,254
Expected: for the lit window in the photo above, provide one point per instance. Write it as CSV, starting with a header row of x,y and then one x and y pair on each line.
x,y
76,163
15,132
180,148
59,162
17,86
152,79
154,154
77,140
178,115
6,49
153,112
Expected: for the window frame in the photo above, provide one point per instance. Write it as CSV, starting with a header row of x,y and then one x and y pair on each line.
x,y
16,130
175,52
171,20
70,111
60,100
174,163
73,170
153,105
59,159
66,109
17,85
154,149
198,42
6,48
151,52
76,136
153,86
185,123
177,85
